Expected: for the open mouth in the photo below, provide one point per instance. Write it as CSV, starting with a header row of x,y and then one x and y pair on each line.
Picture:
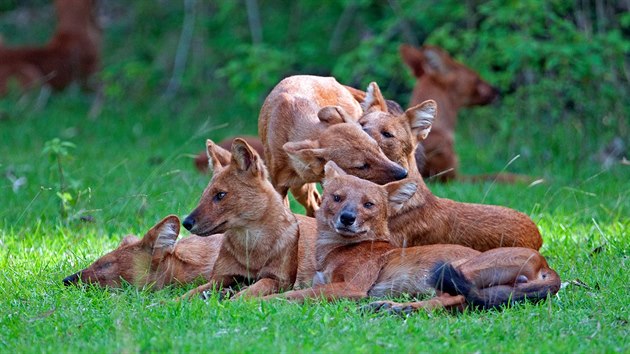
x,y
215,230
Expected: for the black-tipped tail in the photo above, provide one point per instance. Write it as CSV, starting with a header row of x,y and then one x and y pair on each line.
x,y
445,278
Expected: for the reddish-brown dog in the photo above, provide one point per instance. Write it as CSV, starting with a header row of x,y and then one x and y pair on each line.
x,y
355,259
263,240
156,260
201,161
453,86
308,120
426,219
72,54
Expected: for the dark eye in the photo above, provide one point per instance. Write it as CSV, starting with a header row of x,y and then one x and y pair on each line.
x,y
368,205
387,134
336,198
105,265
365,166
219,196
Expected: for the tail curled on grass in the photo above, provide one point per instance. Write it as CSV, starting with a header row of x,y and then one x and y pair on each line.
x,y
445,278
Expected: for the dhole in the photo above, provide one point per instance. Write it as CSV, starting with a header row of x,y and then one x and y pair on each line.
x,y
201,161
426,219
300,132
157,259
72,54
355,259
453,86
263,240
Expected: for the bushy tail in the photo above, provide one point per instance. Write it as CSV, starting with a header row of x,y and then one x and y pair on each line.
x,y
446,278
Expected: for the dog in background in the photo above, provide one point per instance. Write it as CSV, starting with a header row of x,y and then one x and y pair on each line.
x,y
73,54
453,86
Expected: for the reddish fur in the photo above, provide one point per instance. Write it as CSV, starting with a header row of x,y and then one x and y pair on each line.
x,y
300,131
143,262
72,54
427,219
453,86
263,240
357,261
201,160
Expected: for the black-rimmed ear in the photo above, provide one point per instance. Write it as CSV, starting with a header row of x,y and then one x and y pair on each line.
x,y
421,118
306,155
374,99
335,115
399,192
163,235
247,159
218,157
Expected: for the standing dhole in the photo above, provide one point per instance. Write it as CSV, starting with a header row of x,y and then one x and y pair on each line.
x,y
300,133
355,259
156,260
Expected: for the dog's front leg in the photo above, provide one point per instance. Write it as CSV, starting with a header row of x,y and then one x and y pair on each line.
x,y
263,287
327,292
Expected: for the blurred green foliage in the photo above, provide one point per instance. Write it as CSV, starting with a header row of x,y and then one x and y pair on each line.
x,y
563,67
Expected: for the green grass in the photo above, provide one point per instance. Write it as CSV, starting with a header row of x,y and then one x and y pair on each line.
x,y
133,166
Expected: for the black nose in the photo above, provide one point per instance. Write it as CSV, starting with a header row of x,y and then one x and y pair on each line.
x,y
347,218
402,173
189,222
71,279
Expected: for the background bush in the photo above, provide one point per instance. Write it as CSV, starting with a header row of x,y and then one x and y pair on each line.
x,y
563,67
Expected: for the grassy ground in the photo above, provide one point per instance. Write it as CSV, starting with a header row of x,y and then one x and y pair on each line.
x,y
132,166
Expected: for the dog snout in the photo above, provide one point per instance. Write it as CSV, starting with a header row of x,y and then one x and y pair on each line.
x,y
71,279
189,222
347,218
401,173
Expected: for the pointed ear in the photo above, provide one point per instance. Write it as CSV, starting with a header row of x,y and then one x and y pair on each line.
x,y
334,115
163,235
128,240
247,159
332,170
412,56
434,61
399,192
421,118
374,100
218,157
306,155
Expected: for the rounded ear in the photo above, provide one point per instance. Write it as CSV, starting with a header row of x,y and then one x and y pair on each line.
x,y
374,99
435,60
163,235
413,58
421,118
334,115
399,192
128,240
247,159
218,157
332,170
306,155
